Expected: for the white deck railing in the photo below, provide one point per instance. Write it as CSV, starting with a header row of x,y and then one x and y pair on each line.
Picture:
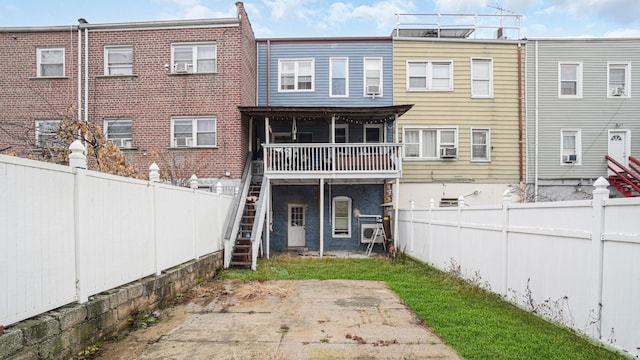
x,y
333,158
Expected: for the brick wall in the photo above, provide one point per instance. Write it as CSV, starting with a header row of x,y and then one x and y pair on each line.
x,y
150,97
63,332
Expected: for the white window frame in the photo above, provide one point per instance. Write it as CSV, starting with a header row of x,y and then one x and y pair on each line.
x,y
348,216
487,144
39,52
578,146
365,62
346,133
475,78
429,75
122,140
193,66
296,74
194,131
439,143
578,94
346,76
39,123
126,66
627,79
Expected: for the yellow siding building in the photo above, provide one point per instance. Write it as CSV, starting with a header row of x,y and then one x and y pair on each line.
x,y
464,135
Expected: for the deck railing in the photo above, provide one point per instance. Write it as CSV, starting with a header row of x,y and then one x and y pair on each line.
x,y
333,158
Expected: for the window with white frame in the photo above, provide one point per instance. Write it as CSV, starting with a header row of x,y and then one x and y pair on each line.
x,y
296,75
481,78
339,77
50,62
342,133
430,75
46,132
119,132
373,133
618,79
192,132
570,80
372,76
427,143
480,145
571,144
118,60
341,217
194,58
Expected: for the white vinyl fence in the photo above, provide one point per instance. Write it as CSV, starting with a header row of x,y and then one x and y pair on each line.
x,y
575,262
67,234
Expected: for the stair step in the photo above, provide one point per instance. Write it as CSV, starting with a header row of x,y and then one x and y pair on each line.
x,y
241,263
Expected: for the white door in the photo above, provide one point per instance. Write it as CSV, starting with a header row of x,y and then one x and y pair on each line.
x,y
618,147
296,227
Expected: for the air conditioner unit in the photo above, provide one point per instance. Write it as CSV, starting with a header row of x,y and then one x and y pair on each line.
x,y
570,158
619,91
373,90
183,141
126,143
367,232
182,68
448,152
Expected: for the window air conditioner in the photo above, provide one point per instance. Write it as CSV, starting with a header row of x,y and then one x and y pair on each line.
x,y
448,152
619,91
373,90
184,141
570,158
182,68
367,232
126,143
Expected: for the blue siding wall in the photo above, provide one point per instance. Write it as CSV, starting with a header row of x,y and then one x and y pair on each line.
x,y
365,197
321,52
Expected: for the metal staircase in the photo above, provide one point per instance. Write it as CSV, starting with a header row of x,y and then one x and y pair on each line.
x,y
242,254
625,179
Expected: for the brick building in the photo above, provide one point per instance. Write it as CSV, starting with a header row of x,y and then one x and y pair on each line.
x,y
163,91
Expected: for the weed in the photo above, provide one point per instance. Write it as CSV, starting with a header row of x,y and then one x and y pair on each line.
x,y
87,353
142,319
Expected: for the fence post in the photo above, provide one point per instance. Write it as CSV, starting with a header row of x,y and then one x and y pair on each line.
x,y
193,183
600,195
506,200
432,204
154,173
460,207
78,162
412,206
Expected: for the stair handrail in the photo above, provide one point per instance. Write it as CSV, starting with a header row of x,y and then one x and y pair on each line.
x,y
634,165
258,225
238,205
621,176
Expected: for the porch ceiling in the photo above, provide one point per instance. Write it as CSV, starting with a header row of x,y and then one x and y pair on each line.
x,y
363,114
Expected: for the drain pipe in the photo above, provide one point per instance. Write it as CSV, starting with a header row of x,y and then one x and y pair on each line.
x,y
86,74
520,130
79,73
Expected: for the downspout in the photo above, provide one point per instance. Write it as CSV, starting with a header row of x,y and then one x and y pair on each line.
x,y
79,73
268,72
535,180
86,74
520,131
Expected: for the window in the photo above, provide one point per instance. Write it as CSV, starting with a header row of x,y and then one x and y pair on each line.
x,y
373,133
372,76
570,80
342,133
571,146
342,217
192,132
618,80
482,78
480,145
296,75
119,132
46,131
430,75
50,62
194,58
118,60
338,76
426,143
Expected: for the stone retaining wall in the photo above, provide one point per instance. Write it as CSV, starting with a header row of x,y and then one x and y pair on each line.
x,y
61,333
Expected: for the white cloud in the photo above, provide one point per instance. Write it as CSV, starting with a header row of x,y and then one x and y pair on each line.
x,y
194,9
381,13
282,8
623,33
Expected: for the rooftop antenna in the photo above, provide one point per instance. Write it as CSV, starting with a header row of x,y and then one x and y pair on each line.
x,y
499,8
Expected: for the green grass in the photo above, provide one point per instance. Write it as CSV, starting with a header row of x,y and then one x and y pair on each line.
x,y
476,323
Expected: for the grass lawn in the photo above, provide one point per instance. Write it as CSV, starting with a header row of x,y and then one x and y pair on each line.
x,y
477,324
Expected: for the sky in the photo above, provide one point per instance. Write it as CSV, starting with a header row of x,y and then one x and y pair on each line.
x,y
316,18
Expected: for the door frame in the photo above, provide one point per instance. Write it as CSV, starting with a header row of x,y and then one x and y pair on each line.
x,y
304,224
627,146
